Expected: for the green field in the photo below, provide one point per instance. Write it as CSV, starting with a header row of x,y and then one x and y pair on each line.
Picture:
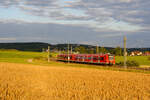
x,y
40,58
24,57
18,56
142,60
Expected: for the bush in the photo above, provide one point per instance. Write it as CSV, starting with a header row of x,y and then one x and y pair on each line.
x,y
149,58
131,63
120,63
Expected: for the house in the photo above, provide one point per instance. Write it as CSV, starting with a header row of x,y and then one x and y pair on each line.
x,y
136,53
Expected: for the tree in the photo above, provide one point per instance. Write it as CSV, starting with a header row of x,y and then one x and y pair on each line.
x,y
81,49
102,50
91,51
118,51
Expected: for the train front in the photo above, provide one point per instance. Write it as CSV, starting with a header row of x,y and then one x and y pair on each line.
x,y
111,59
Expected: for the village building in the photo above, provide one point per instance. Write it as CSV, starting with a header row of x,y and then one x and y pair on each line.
x,y
136,53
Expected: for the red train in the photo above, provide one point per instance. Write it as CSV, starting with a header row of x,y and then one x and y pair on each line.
x,y
88,58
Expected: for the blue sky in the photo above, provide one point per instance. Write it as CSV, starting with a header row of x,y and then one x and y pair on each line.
x,y
102,22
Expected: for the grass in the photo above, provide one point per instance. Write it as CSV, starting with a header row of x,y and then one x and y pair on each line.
x,y
19,56
14,56
142,60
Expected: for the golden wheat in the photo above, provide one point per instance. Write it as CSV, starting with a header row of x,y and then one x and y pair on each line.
x,y
33,82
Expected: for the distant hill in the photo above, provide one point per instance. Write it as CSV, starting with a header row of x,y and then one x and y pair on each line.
x,y
31,46
39,46
138,49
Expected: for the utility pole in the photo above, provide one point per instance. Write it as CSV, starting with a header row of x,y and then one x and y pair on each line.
x,y
60,51
71,49
68,53
48,50
43,50
97,49
125,53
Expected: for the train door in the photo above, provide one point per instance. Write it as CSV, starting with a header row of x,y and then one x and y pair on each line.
x,y
86,58
95,59
72,57
102,59
90,59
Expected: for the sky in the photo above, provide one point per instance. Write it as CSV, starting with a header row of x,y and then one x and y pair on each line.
x,y
93,22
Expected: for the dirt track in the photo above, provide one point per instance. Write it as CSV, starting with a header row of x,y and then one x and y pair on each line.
x,y
33,82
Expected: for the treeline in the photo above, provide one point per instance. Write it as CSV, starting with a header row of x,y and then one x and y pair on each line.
x,y
31,46
80,48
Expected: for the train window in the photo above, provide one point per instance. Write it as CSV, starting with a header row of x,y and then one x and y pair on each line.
x,y
86,58
79,57
82,57
101,58
95,58
70,57
111,57
89,58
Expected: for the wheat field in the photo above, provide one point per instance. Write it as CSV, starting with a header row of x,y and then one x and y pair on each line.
x,y
34,82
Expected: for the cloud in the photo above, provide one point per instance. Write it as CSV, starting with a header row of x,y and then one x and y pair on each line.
x,y
118,9
124,10
77,20
135,12
62,33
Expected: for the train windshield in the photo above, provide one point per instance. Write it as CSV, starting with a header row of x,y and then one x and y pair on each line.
x,y
111,57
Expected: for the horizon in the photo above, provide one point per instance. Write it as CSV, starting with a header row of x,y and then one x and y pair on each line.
x,y
102,23
72,44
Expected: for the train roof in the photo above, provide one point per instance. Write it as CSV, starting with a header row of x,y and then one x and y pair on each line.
x,y
86,54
